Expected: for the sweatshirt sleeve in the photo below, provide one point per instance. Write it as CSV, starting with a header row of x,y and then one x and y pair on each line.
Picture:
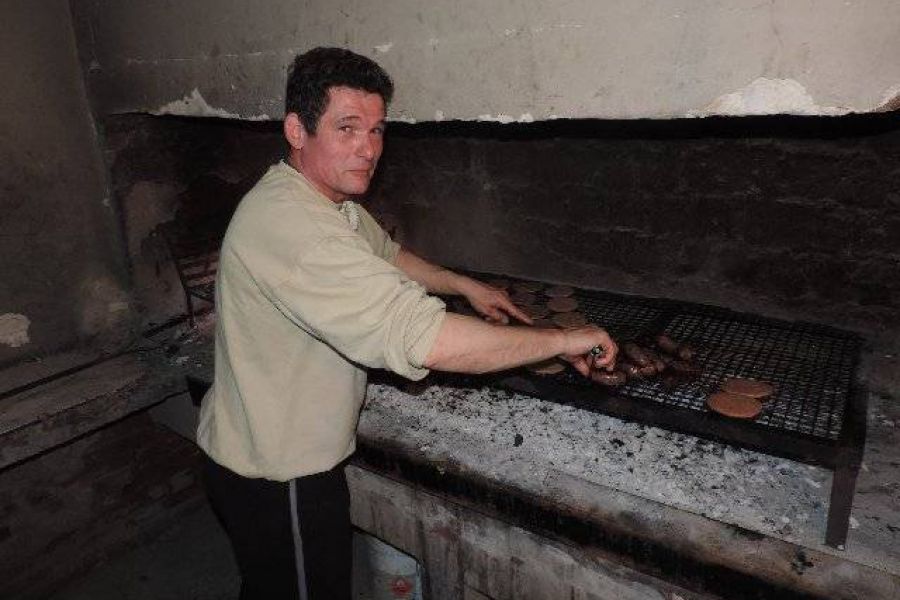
x,y
362,306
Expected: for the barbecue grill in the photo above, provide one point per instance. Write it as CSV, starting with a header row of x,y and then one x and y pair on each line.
x,y
816,415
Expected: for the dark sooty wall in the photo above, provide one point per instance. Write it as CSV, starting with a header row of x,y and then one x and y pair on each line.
x,y
793,217
63,280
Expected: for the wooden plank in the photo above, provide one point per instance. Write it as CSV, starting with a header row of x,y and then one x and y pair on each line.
x,y
53,414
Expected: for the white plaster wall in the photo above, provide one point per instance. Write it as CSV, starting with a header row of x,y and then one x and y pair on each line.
x,y
507,60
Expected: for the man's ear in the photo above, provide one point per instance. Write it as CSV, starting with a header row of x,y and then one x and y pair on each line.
x,y
294,132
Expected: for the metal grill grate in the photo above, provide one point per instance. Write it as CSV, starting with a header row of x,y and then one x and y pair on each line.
x,y
817,414
810,366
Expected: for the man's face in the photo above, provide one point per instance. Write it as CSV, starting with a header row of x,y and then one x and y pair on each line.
x,y
341,157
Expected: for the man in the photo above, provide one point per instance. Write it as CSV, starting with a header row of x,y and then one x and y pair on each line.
x,y
310,292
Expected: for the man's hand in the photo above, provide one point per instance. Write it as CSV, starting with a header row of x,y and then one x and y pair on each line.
x,y
580,342
492,303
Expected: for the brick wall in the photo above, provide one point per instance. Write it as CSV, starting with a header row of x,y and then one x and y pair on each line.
x,y
789,217
63,511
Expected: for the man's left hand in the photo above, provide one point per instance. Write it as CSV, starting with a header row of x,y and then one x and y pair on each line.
x,y
492,303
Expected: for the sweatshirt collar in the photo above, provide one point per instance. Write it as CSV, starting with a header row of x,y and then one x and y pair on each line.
x,y
348,208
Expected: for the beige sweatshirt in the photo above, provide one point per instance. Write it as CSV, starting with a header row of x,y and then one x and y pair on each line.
x,y
303,305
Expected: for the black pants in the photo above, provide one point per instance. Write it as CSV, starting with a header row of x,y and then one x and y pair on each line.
x,y
292,540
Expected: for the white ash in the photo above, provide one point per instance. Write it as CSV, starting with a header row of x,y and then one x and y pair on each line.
x,y
512,437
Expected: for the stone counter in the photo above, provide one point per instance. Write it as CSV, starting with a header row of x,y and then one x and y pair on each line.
x,y
710,517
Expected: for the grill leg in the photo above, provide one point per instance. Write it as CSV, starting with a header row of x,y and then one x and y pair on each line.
x,y
842,488
190,308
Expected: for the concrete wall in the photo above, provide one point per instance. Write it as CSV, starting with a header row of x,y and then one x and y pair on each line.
x,y
62,271
508,61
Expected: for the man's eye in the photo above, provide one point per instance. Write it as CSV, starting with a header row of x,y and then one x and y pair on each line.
x,y
378,131
346,128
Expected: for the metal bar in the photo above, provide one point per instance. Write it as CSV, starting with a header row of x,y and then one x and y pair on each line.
x,y
817,415
791,445
849,459
843,486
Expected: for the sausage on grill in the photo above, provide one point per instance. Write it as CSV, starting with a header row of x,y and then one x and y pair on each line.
x,y
630,370
649,370
655,359
637,354
614,378
666,344
685,352
670,346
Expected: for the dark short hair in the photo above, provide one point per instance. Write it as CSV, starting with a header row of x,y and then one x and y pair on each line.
x,y
316,71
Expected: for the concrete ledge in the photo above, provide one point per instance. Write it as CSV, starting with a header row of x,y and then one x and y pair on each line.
x,y
57,412
470,555
717,546
662,542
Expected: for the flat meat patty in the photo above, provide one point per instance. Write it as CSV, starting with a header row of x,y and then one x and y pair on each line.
x,y
535,311
527,286
550,366
748,387
567,320
734,405
523,298
559,291
562,305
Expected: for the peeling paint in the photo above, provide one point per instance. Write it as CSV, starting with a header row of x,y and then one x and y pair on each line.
x,y
768,97
194,105
891,100
384,48
502,118
438,115
402,119
104,306
14,329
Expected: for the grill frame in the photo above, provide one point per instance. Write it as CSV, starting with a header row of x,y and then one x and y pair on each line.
x,y
837,446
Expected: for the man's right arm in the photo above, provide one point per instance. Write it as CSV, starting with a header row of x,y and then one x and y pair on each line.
x,y
361,306
469,345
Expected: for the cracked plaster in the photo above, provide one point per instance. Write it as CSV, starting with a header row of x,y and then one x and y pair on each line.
x,y
194,105
769,97
14,330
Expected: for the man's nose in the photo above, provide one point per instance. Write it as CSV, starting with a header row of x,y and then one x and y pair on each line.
x,y
368,147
